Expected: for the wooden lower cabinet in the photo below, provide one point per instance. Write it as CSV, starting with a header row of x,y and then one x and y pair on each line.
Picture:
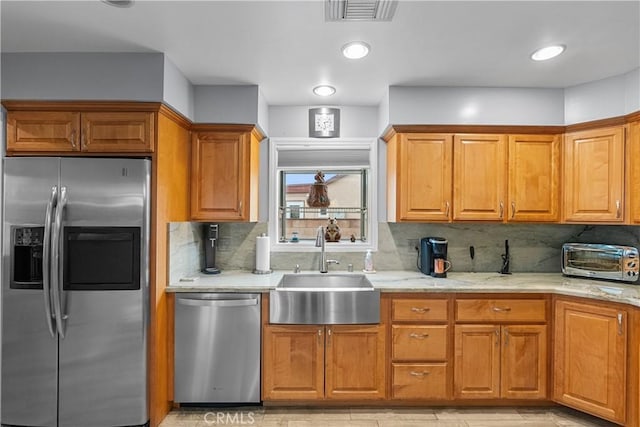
x,y
590,359
355,362
317,362
494,361
293,362
420,341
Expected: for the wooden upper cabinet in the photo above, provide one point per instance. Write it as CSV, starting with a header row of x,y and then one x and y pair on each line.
x,y
224,174
534,178
633,166
590,359
423,174
121,132
73,131
479,177
43,131
594,175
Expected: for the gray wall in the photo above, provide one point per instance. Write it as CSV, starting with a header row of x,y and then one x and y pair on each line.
x,y
177,90
83,76
475,105
226,104
611,97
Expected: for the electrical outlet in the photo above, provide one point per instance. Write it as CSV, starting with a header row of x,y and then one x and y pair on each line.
x,y
413,245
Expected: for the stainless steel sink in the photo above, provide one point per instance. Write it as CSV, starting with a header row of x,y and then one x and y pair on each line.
x,y
325,282
324,299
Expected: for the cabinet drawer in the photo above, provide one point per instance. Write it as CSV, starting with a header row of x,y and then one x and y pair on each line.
x,y
492,310
425,343
419,381
420,310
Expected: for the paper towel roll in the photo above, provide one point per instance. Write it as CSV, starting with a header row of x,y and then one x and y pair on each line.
x,y
263,261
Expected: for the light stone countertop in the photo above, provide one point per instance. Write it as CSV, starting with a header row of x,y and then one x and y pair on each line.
x,y
414,281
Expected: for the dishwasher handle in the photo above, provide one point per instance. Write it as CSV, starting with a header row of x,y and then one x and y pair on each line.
x,y
218,302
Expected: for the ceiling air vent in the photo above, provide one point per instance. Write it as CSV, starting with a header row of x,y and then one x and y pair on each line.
x,y
359,10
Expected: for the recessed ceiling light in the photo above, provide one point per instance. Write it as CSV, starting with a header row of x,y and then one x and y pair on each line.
x,y
324,90
355,50
118,3
548,52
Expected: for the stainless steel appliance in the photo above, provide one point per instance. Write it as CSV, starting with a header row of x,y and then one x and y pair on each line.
x,y
599,261
217,348
432,256
75,292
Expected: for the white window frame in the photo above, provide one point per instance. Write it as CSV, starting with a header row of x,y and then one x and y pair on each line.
x,y
300,144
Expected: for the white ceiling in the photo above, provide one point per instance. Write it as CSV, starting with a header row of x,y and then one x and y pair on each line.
x,y
286,47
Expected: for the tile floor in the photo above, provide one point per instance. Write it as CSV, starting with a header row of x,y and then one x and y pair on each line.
x,y
370,417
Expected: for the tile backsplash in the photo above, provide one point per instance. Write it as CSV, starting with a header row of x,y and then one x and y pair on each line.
x,y
533,247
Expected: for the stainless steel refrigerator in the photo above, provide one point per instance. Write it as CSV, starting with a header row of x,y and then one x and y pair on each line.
x,y
75,292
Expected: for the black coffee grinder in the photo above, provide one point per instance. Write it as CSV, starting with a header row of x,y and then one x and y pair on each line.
x,y
433,256
210,237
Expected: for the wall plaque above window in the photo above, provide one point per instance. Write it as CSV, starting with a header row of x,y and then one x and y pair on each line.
x,y
324,122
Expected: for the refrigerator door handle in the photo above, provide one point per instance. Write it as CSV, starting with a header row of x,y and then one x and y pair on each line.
x,y
46,260
56,274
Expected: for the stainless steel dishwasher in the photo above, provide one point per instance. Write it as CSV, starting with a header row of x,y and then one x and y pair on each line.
x,y
217,348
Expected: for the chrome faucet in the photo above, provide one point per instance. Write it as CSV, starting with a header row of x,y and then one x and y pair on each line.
x,y
324,262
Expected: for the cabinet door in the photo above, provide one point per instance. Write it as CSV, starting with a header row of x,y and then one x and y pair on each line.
x,y
355,362
633,163
590,359
479,177
38,131
594,175
534,175
477,361
293,363
118,132
425,173
220,176
523,368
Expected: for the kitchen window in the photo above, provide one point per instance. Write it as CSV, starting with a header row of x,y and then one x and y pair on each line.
x,y
349,175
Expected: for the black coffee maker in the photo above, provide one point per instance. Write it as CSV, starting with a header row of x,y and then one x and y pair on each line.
x,y
210,238
432,256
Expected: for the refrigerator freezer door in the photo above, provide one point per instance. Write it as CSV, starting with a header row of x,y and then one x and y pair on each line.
x,y
29,352
103,354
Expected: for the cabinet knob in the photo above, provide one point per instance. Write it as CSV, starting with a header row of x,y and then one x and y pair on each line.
x,y
618,213
513,210
501,309
501,209
419,373
420,309
446,209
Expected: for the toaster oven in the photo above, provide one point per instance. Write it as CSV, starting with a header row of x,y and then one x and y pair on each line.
x,y
600,261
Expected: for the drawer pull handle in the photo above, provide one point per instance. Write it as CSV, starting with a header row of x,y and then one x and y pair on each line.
x,y
420,310
501,309
418,336
419,373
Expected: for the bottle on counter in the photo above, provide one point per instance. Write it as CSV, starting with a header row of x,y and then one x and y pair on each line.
x,y
368,261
